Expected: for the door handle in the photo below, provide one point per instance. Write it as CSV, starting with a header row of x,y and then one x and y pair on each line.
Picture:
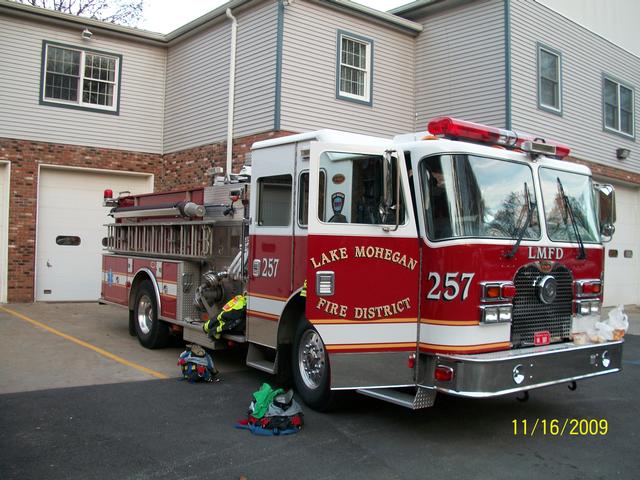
x,y
49,264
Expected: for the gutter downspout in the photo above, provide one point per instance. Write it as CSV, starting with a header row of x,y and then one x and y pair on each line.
x,y
232,89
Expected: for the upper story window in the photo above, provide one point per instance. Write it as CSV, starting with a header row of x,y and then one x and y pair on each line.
x,y
80,78
618,107
549,80
354,68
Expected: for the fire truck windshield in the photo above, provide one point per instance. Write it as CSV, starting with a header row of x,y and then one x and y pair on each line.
x,y
473,196
580,197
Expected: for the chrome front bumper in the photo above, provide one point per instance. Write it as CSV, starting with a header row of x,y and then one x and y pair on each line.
x,y
500,373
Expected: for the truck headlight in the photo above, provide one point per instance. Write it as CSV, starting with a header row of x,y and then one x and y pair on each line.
x,y
496,313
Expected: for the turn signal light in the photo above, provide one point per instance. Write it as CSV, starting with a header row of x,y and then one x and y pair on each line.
x,y
492,291
591,288
588,288
508,290
498,290
443,373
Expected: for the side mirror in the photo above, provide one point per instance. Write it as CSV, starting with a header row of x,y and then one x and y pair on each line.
x,y
391,178
606,198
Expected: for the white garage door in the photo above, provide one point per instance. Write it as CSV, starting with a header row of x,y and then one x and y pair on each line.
x,y
70,229
4,228
622,254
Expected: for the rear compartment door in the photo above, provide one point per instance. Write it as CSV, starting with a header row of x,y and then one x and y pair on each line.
x,y
362,272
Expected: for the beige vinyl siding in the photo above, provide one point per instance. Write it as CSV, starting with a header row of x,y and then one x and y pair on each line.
x,y
138,126
198,81
309,74
585,58
460,64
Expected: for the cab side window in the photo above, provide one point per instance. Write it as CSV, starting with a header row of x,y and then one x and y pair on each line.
x,y
274,201
355,190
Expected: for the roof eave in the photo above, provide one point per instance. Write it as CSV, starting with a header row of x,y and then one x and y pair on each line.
x,y
386,17
51,16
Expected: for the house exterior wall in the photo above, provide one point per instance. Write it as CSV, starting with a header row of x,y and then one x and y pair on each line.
x,y
460,64
586,57
198,80
309,73
137,126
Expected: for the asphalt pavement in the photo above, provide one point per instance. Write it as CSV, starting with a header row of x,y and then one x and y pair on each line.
x,y
141,426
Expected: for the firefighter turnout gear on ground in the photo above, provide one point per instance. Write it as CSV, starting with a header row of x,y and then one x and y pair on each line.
x,y
232,317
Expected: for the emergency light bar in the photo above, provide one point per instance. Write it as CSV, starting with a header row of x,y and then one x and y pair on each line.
x,y
456,129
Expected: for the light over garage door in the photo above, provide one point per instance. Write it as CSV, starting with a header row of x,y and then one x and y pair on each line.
x,y
622,254
4,228
70,229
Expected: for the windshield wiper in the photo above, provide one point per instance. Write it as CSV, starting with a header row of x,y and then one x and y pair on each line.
x,y
530,208
583,254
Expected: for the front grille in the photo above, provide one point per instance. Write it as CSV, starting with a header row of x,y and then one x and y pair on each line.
x,y
530,315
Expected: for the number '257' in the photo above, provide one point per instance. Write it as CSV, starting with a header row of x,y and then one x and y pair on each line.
x,y
454,284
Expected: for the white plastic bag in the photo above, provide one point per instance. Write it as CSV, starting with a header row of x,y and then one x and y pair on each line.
x,y
618,321
583,328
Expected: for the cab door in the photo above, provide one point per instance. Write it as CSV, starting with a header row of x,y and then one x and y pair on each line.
x,y
363,264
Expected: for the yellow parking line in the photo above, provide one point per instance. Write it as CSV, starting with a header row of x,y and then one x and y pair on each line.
x,y
77,341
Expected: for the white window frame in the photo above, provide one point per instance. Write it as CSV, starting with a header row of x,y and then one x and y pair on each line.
x,y
550,51
368,70
619,131
81,79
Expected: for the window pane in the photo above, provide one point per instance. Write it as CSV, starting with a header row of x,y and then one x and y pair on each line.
x,y
352,81
274,201
98,67
64,61
549,65
61,87
63,67
353,67
466,196
359,194
97,93
549,80
549,93
610,104
303,204
354,53
626,110
579,192
626,99
68,240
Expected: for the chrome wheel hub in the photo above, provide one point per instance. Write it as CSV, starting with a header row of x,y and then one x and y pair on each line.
x,y
145,314
311,359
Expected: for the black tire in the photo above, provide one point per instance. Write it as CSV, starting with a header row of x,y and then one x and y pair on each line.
x,y
151,332
310,366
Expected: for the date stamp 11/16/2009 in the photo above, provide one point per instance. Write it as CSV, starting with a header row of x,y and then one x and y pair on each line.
x,y
559,427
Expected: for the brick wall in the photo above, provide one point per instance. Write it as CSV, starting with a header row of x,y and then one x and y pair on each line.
x,y
25,156
178,170
188,168
184,169
609,172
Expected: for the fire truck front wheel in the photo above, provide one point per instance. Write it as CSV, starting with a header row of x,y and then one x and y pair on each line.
x,y
151,332
310,364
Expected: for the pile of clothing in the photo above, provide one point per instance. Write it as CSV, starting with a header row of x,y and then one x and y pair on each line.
x,y
273,412
197,365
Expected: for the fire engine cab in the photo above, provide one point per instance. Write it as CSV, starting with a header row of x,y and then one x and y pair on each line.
x,y
455,261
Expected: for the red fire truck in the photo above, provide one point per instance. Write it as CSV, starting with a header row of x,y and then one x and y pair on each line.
x,y
453,261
